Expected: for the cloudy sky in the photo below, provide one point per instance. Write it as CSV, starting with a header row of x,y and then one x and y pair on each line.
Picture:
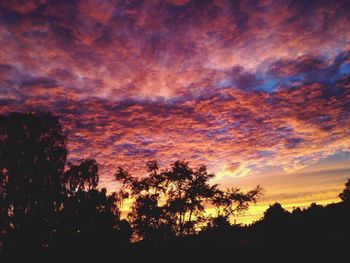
x,y
259,91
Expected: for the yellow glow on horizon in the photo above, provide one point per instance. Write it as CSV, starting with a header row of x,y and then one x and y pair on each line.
x,y
256,212
320,183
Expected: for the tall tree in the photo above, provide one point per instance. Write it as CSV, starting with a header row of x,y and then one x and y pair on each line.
x,y
42,204
32,159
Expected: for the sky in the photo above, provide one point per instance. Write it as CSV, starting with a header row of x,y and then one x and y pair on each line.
x,y
259,91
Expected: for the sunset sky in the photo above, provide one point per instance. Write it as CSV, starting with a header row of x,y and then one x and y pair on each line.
x,y
259,91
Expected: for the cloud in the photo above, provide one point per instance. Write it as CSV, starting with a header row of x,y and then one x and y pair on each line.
x,y
218,82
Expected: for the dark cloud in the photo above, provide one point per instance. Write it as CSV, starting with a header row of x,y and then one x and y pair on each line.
x,y
43,82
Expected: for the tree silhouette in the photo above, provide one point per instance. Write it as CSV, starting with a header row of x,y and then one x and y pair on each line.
x,y
171,202
148,219
81,176
232,202
187,190
345,195
182,190
42,205
275,213
32,158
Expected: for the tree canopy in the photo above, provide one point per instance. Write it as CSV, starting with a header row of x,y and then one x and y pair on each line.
x,y
171,202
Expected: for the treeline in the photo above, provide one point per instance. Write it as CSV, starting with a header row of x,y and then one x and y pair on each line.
x,y
50,204
51,207
313,234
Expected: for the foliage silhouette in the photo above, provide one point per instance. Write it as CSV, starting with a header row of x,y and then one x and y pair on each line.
x,y
275,213
54,209
42,205
170,202
345,195
32,158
